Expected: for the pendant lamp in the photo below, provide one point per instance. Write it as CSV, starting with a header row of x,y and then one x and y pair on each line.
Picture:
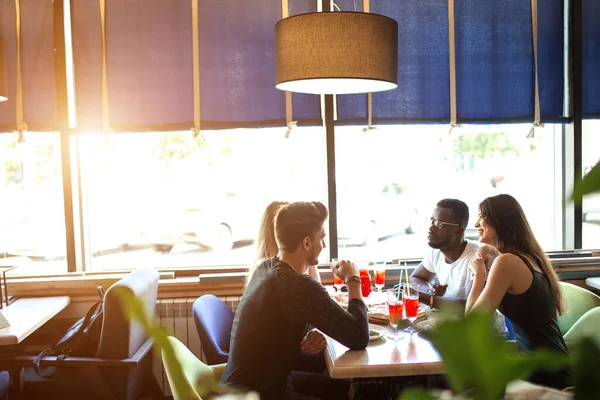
x,y
336,53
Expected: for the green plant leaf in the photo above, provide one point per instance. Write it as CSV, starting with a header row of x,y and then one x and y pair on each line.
x,y
476,359
589,184
415,394
134,310
586,373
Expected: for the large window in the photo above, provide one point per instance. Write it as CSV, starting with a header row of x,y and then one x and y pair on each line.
x,y
172,200
390,178
591,203
32,222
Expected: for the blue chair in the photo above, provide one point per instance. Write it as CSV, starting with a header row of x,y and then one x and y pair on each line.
x,y
214,321
510,328
4,385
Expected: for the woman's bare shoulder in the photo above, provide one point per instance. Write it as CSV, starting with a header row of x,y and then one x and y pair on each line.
x,y
508,261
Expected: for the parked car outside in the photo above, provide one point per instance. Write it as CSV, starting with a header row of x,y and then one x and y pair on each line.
x,y
216,222
365,217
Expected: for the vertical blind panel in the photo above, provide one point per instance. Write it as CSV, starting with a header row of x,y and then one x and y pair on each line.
x,y
149,53
352,108
39,80
306,107
39,88
550,59
7,31
237,65
591,58
87,55
423,74
494,59
237,61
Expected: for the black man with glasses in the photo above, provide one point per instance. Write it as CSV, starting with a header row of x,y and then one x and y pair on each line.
x,y
448,259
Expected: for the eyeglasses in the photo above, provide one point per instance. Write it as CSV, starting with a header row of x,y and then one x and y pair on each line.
x,y
440,224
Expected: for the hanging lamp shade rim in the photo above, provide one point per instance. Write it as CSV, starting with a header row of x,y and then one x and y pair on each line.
x,y
334,14
354,52
336,85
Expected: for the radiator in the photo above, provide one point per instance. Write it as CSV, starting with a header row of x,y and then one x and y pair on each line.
x,y
176,316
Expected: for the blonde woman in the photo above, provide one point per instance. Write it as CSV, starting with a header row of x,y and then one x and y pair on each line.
x,y
266,245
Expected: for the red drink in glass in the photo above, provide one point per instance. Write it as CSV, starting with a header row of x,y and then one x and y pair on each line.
x,y
395,307
395,313
365,282
379,278
412,307
337,282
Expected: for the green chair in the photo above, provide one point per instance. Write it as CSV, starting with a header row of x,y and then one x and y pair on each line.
x,y
587,325
578,301
202,379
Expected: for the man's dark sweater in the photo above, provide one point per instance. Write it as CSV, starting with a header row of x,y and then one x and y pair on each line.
x,y
273,315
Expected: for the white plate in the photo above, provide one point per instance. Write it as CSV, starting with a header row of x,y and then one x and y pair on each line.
x,y
426,325
376,328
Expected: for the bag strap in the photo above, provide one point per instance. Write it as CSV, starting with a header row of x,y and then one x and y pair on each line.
x,y
61,351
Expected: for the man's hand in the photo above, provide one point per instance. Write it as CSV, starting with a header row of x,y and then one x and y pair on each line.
x,y
344,269
439,290
314,342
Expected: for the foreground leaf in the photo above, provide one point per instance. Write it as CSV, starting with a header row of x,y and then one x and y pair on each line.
x,y
476,359
589,184
134,310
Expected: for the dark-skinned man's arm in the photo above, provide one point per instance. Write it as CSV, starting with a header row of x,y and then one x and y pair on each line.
x,y
423,277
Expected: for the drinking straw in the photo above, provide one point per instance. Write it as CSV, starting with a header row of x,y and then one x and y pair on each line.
x,y
406,270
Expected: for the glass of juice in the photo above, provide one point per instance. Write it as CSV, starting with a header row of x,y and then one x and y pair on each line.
x,y
379,275
338,283
395,307
410,295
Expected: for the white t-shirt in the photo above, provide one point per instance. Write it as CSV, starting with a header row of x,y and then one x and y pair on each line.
x,y
457,275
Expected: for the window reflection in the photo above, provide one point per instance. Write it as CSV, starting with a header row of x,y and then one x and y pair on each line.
x,y
174,200
32,222
591,203
390,178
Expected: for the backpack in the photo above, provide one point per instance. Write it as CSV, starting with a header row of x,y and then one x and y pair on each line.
x,y
81,340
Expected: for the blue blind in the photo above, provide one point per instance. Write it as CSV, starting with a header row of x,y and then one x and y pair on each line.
x,y
87,54
591,58
39,90
237,65
150,66
494,63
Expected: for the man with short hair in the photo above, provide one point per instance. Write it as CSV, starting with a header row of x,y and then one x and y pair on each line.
x,y
448,259
281,302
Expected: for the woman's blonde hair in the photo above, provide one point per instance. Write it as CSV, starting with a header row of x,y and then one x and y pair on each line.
x,y
513,234
266,245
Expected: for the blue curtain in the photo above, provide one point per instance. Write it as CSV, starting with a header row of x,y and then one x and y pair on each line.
x,y
591,58
150,66
39,89
494,63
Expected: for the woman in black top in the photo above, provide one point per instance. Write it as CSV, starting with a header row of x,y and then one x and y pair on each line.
x,y
521,283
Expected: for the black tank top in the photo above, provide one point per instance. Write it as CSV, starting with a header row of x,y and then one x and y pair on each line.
x,y
534,318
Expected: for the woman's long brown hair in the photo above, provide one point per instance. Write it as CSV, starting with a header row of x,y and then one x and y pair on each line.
x,y
514,234
266,245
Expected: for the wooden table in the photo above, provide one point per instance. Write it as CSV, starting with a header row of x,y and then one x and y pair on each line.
x,y
26,315
384,358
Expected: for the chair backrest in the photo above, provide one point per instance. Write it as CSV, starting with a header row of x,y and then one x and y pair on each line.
x,y
588,325
213,321
200,379
578,301
120,337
